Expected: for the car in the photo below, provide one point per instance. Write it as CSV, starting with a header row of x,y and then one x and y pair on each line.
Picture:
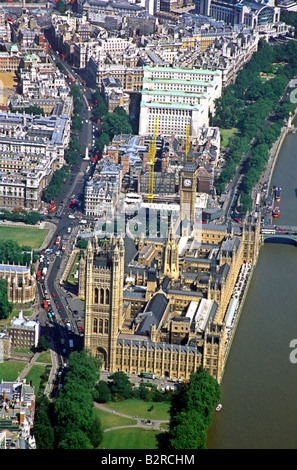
x,y
58,306
53,294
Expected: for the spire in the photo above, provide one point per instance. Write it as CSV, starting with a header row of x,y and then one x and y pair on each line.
x,y
95,242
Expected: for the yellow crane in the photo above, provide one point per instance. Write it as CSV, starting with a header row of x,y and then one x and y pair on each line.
x,y
152,153
188,142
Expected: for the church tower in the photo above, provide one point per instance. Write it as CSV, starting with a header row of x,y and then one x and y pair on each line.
x,y
104,278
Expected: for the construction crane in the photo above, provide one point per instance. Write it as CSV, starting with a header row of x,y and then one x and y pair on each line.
x,y
188,143
152,153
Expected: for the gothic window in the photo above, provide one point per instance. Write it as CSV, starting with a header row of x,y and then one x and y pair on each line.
x,y
96,295
101,326
95,327
107,296
106,327
101,296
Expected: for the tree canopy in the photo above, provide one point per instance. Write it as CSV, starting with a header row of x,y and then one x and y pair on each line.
x,y
71,415
12,253
116,123
5,306
74,404
247,105
191,411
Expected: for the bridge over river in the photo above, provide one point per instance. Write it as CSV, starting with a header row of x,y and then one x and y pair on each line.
x,y
275,234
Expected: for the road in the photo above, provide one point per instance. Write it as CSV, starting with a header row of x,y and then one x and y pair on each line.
x,y
60,299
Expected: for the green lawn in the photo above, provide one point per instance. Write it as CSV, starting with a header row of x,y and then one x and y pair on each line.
x,y
10,370
135,438
71,279
45,356
141,408
131,438
110,420
34,376
33,237
226,135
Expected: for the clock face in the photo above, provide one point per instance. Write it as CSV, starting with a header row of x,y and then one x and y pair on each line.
x,y
187,183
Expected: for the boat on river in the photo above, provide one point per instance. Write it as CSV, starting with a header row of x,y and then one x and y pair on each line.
x,y
277,193
276,212
219,407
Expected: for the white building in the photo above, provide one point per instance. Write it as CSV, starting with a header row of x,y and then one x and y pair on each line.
x,y
178,97
24,333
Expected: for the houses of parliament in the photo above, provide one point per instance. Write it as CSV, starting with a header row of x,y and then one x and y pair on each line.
x,y
158,304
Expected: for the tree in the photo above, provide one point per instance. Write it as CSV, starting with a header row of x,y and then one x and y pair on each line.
x,y
76,123
73,409
96,433
102,393
10,252
61,6
56,183
74,404
120,386
75,440
43,427
115,123
102,141
44,436
101,108
36,110
43,343
5,306
191,410
33,218
189,431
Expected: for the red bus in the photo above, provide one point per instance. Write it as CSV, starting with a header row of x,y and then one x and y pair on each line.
x,y
45,304
38,275
17,210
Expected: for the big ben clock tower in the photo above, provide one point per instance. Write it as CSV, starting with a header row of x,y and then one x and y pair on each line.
x,y
187,189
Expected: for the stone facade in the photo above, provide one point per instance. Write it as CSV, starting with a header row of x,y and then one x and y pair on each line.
x,y
166,316
21,283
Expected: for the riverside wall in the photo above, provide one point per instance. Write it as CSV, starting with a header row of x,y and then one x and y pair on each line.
x,y
273,154
237,317
265,177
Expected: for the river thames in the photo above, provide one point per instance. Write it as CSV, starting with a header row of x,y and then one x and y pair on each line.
x,y
259,387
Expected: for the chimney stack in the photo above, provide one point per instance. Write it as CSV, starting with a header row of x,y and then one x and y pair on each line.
x,y
22,417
